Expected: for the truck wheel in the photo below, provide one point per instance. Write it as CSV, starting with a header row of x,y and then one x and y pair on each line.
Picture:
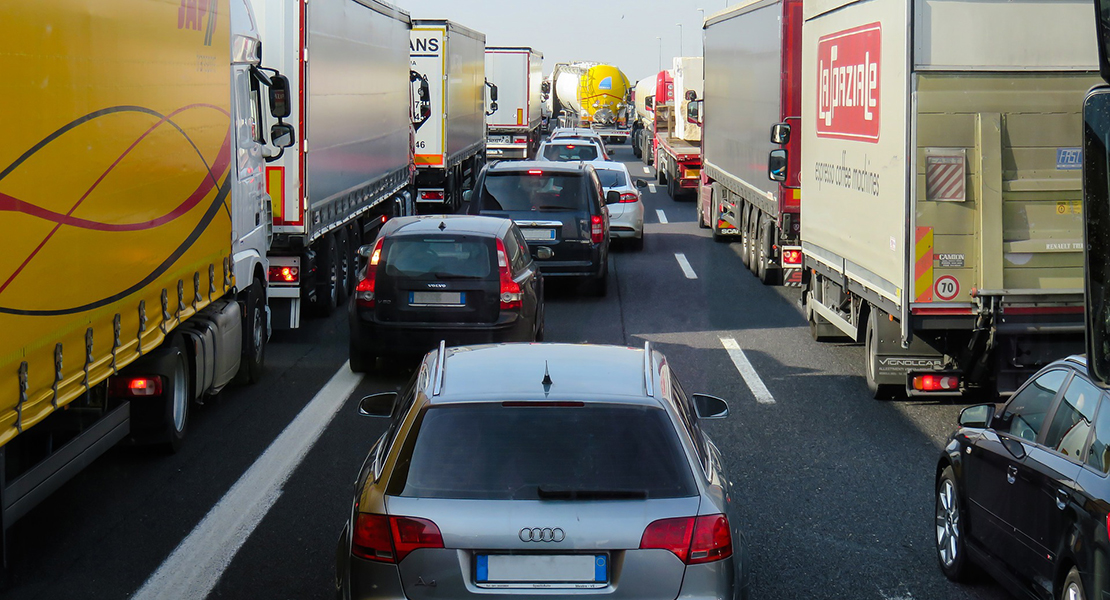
x,y
702,222
754,242
345,265
767,233
672,189
177,399
871,343
327,286
661,172
744,234
254,335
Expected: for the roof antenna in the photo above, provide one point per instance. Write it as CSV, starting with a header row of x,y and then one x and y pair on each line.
x,y
442,226
546,378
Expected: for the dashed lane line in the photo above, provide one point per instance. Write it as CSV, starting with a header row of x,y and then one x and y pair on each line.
x,y
196,565
748,372
662,216
651,187
685,265
647,170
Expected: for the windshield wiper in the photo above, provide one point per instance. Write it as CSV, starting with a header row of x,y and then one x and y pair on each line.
x,y
564,493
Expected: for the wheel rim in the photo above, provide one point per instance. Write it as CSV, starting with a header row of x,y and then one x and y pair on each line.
x,y
871,353
1073,592
948,524
180,402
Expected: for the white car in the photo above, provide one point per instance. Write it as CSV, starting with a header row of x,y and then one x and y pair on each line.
x,y
566,150
581,133
626,217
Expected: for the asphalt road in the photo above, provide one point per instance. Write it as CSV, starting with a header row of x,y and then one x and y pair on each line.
x,y
836,488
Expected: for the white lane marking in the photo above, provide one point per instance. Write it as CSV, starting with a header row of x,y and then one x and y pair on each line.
x,y
194,567
685,264
662,216
647,170
747,371
651,187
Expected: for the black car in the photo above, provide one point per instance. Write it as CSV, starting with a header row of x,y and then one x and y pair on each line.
x,y
1022,489
456,278
560,208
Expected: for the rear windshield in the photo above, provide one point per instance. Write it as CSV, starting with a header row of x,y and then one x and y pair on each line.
x,y
497,452
533,192
611,179
570,151
438,257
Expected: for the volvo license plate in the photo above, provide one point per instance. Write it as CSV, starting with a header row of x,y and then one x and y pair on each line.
x,y
437,298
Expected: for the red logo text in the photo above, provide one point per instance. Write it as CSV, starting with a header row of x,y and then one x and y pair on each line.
x,y
848,83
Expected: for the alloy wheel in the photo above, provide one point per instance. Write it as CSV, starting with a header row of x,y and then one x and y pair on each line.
x,y
948,524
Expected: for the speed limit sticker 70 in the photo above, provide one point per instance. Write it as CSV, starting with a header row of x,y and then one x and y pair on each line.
x,y
947,288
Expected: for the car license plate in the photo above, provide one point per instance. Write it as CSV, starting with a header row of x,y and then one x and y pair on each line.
x,y
541,570
437,298
500,139
538,235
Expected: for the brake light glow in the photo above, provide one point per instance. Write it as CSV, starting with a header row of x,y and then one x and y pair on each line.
x,y
535,172
141,386
597,229
511,296
693,540
284,274
364,291
390,539
629,197
792,258
431,195
936,383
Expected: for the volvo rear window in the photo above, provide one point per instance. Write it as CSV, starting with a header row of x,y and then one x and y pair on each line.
x,y
533,191
571,151
436,257
499,452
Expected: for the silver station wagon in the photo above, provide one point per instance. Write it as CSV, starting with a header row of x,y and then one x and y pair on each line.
x,y
547,470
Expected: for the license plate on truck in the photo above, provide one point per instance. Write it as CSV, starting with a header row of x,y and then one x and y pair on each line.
x,y
541,570
500,139
437,298
538,235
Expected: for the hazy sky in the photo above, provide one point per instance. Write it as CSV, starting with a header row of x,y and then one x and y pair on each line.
x,y
618,32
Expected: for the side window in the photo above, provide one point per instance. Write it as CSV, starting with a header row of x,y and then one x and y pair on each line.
x,y
1025,413
1067,434
1098,453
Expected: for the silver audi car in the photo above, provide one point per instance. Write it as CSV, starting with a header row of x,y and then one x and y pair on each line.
x,y
553,470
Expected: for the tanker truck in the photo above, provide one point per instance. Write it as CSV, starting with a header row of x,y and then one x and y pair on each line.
x,y
593,95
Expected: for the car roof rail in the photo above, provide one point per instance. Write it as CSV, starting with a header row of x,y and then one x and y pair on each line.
x,y
437,374
649,374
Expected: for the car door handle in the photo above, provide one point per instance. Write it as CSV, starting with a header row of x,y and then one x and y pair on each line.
x,y
1011,474
1062,498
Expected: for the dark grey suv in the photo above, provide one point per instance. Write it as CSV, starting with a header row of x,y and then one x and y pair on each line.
x,y
553,470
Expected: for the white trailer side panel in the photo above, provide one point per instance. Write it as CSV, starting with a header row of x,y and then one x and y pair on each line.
x,y
466,88
743,73
517,74
854,169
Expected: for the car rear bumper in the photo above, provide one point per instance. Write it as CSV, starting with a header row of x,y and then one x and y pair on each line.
x,y
385,339
627,222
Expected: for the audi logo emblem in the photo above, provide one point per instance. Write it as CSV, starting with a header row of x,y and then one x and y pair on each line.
x,y
546,534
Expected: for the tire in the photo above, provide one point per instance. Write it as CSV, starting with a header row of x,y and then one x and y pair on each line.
x,y
661,173
177,400
255,335
745,235
871,355
538,337
327,289
754,242
702,223
599,286
346,265
950,523
766,233
361,360
1073,586
672,189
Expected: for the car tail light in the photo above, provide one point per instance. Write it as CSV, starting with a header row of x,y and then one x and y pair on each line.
x,y
510,290
597,230
141,386
364,291
391,539
284,274
693,540
629,197
431,195
936,383
792,258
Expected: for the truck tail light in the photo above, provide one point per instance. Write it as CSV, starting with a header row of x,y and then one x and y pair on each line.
x,y
597,230
278,274
693,540
936,383
520,139
390,539
139,386
431,195
791,257
364,291
511,296
629,197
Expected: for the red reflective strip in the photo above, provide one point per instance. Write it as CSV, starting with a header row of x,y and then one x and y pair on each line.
x,y
943,311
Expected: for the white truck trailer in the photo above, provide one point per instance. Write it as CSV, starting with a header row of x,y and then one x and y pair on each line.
x,y
451,143
351,98
941,185
514,128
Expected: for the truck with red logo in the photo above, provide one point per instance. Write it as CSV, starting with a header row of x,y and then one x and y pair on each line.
x,y
941,186
677,141
353,101
753,81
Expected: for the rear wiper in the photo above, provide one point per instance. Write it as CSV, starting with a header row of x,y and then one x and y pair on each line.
x,y
563,493
454,276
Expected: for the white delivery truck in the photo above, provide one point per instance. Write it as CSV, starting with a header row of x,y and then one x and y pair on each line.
x,y
451,144
348,62
514,128
941,185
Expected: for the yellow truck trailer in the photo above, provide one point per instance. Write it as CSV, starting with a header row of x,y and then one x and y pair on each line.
x,y
132,200
941,186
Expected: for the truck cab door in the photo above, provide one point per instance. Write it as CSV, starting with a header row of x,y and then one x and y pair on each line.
x,y
249,202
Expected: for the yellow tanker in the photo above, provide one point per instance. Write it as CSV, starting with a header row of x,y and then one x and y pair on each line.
x,y
593,93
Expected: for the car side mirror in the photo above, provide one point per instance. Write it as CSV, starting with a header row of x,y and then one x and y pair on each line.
x,y
492,109
467,195
378,405
282,135
640,183
710,407
978,416
690,95
612,197
776,165
780,133
609,152
366,251
544,253
279,98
